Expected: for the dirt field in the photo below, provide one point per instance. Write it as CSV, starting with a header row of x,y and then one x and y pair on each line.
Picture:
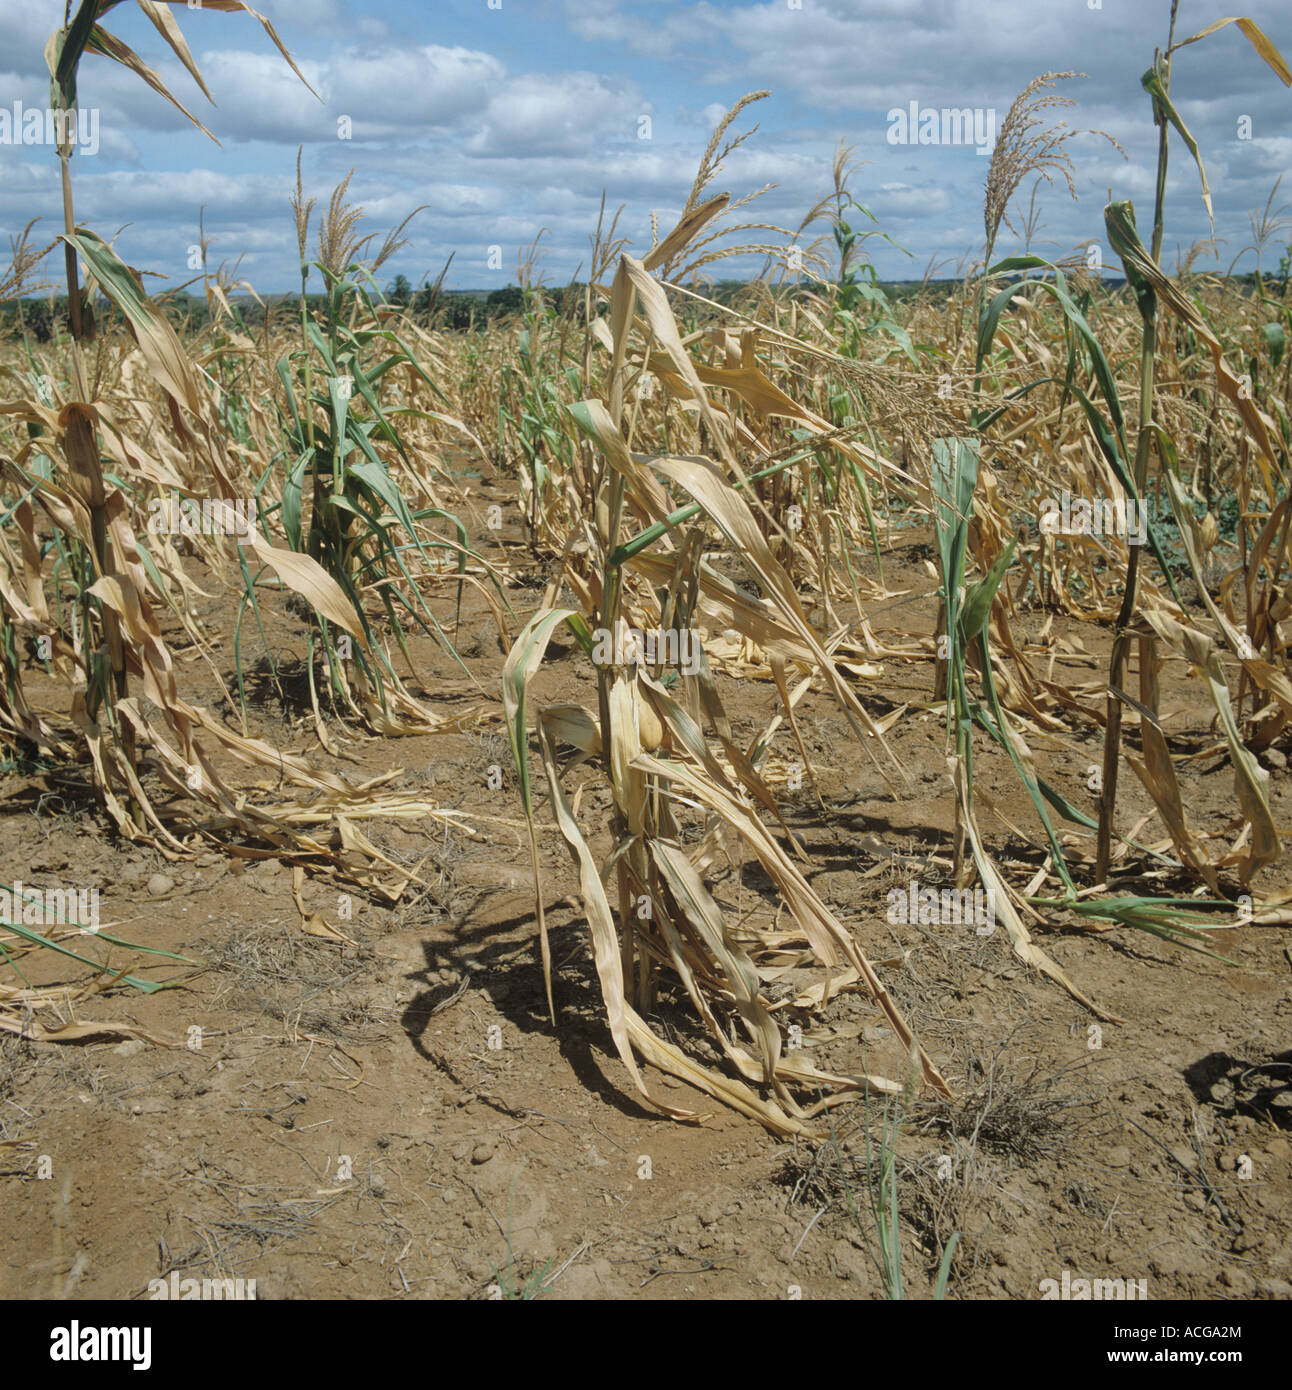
x,y
394,1116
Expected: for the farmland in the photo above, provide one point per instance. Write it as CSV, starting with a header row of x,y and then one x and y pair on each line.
x,y
635,790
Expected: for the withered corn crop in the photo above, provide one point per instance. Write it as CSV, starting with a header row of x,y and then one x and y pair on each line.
x,y
707,491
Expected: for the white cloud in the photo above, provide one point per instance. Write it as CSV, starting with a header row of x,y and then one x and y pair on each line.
x,y
902,200
24,28
260,98
679,27
567,113
513,122
318,16
388,93
409,89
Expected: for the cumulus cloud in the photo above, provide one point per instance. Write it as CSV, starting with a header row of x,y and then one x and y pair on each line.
x,y
23,30
505,122
563,114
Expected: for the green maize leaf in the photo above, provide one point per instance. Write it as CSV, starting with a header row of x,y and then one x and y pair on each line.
x,y
1162,106
944,1267
979,598
291,503
72,48
955,476
1099,362
158,341
39,939
1026,772
1119,223
1164,918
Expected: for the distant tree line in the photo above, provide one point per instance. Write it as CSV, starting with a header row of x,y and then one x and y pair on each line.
x,y
455,310
461,310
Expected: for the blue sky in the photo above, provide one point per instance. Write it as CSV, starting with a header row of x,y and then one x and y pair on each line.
x,y
510,119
